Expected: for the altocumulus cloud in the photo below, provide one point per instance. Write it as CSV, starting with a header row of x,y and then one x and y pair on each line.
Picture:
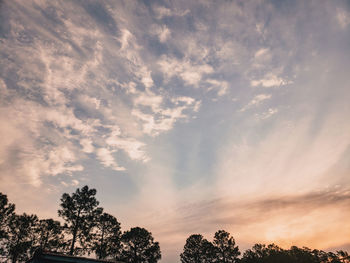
x,y
77,82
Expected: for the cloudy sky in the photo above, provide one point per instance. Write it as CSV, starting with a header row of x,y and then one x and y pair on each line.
x,y
186,116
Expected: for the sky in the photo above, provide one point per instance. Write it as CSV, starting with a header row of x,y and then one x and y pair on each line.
x,y
186,116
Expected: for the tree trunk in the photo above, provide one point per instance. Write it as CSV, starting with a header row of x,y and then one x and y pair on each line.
x,y
135,255
74,239
75,231
102,253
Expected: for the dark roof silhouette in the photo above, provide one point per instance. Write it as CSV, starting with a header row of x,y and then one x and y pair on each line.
x,y
54,257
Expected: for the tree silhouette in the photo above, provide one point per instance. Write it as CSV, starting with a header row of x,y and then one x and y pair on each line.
x,y
306,255
197,250
209,252
139,247
226,249
49,235
6,212
20,237
273,254
91,230
343,256
107,241
261,253
80,211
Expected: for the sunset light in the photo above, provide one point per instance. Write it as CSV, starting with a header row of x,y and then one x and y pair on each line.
x,y
186,117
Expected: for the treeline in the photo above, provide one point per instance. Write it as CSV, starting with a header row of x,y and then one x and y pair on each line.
x,y
223,249
87,230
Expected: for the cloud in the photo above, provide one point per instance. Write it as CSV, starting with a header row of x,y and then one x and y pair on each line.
x,y
162,118
190,73
131,146
221,86
162,12
61,160
98,89
270,80
283,219
261,52
229,212
130,51
34,155
343,18
267,114
262,57
106,158
257,100
68,88
154,126
148,99
272,161
87,145
163,33
75,182
94,102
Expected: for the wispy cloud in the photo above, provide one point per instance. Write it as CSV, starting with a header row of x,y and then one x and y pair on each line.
x,y
286,219
220,86
191,74
267,114
162,12
261,52
162,32
258,99
107,159
270,80
343,17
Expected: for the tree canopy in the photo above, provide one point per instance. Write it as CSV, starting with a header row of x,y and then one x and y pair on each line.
x,y
194,248
87,229
49,235
226,249
107,240
6,212
223,249
272,253
139,246
199,250
80,212
20,240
